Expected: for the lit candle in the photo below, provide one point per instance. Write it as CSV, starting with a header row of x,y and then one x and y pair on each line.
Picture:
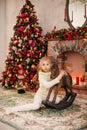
x,y
85,10
77,80
83,78
81,81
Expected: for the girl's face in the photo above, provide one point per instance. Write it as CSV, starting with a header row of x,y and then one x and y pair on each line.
x,y
46,66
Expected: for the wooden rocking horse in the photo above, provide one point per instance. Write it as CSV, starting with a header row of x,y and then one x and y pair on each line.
x,y
66,83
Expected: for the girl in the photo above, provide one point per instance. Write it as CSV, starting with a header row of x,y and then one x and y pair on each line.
x,y
45,83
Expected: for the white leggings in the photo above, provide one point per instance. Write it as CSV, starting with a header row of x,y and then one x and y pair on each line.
x,y
32,106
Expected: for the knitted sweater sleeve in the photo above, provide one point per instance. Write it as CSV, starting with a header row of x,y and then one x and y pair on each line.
x,y
47,84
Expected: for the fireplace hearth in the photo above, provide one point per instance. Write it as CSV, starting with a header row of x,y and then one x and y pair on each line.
x,y
76,61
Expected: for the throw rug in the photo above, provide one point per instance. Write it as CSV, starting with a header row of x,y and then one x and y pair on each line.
x,y
72,118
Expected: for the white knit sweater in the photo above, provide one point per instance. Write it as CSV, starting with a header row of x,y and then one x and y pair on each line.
x,y
45,83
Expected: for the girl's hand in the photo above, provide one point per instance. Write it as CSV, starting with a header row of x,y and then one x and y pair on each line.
x,y
62,73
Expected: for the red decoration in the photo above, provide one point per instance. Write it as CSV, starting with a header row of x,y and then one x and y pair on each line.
x,y
21,28
82,79
77,80
67,34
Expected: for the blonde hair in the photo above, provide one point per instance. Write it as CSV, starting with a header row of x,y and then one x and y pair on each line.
x,y
45,58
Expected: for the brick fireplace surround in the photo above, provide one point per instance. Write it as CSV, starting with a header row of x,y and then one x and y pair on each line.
x,y
79,46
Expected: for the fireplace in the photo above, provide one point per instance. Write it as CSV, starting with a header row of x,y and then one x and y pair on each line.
x,y
76,58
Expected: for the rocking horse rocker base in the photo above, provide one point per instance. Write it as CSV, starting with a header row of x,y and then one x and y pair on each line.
x,y
67,101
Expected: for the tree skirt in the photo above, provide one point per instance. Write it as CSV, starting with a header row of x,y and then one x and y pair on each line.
x,y
72,118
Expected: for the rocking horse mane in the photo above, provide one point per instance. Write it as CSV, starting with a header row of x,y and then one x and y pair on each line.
x,y
54,68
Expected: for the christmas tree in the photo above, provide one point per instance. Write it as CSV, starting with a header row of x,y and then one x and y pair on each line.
x,y
25,50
